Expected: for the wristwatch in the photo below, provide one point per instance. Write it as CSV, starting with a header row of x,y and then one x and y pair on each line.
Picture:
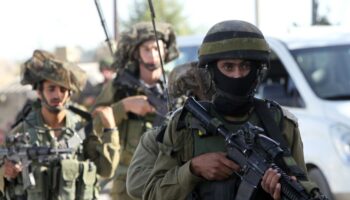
x,y
105,130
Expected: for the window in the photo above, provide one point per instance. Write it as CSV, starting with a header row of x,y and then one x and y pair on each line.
x,y
279,86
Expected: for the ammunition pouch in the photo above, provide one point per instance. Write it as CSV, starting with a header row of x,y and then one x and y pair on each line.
x,y
77,180
68,177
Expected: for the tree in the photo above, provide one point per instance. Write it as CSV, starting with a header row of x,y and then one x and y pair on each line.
x,y
169,11
317,18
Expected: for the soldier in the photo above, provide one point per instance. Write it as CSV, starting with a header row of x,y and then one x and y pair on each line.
x,y
190,166
53,125
184,80
88,96
137,54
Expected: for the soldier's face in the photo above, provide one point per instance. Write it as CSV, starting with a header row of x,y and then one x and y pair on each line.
x,y
150,70
149,52
234,68
55,95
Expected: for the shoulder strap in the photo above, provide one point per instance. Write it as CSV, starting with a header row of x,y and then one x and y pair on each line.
x,y
88,128
161,132
274,132
27,108
269,123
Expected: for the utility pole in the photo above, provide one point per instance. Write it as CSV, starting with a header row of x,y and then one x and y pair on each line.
x,y
115,20
314,14
257,22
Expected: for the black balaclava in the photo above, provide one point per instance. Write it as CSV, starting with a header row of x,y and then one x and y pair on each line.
x,y
234,96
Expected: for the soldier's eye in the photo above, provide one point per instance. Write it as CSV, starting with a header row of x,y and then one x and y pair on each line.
x,y
228,66
63,90
246,65
51,88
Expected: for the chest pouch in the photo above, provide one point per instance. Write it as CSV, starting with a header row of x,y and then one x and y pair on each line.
x,y
86,184
67,178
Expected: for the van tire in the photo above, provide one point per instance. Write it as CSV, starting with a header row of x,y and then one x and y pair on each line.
x,y
317,176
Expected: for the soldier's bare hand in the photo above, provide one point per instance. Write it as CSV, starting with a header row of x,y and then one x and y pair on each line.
x,y
270,183
11,170
138,105
213,166
105,113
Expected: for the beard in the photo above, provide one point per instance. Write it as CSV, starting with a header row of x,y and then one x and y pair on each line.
x,y
151,67
53,109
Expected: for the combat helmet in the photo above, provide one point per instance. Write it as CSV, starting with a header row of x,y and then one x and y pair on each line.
x,y
43,66
188,79
131,39
105,63
233,39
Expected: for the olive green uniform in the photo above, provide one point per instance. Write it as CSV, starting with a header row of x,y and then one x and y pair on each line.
x,y
75,176
172,178
182,80
130,126
142,163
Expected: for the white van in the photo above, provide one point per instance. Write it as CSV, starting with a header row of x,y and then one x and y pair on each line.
x,y
310,75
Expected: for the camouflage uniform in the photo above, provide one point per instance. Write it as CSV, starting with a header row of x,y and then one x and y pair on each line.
x,y
183,80
183,140
131,127
74,176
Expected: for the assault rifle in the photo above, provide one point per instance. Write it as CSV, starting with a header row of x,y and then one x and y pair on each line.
x,y
25,155
254,152
154,97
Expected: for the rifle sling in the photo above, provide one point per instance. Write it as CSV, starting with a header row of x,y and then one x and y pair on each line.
x,y
273,131
270,124
87,116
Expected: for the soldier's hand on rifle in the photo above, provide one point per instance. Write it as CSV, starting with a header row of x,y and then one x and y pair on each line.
x,y
11,170
106,115
270,183
138,105
213,166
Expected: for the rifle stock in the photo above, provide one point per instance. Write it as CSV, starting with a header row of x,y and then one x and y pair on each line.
x,y
254,152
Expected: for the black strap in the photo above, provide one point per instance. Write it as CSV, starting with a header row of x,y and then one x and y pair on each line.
x,y
27,108
88,128
274,132
269,123
161,133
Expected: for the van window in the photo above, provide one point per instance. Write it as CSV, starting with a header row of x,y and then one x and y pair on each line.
x,y
187,54
327,69
279,86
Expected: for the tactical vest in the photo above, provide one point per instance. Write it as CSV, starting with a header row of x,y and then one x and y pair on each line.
x,y
71,177
227,189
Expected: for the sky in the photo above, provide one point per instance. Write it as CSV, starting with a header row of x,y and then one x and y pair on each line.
x,y
30,24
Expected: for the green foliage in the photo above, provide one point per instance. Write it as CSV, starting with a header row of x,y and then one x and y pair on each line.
x,y
169,11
